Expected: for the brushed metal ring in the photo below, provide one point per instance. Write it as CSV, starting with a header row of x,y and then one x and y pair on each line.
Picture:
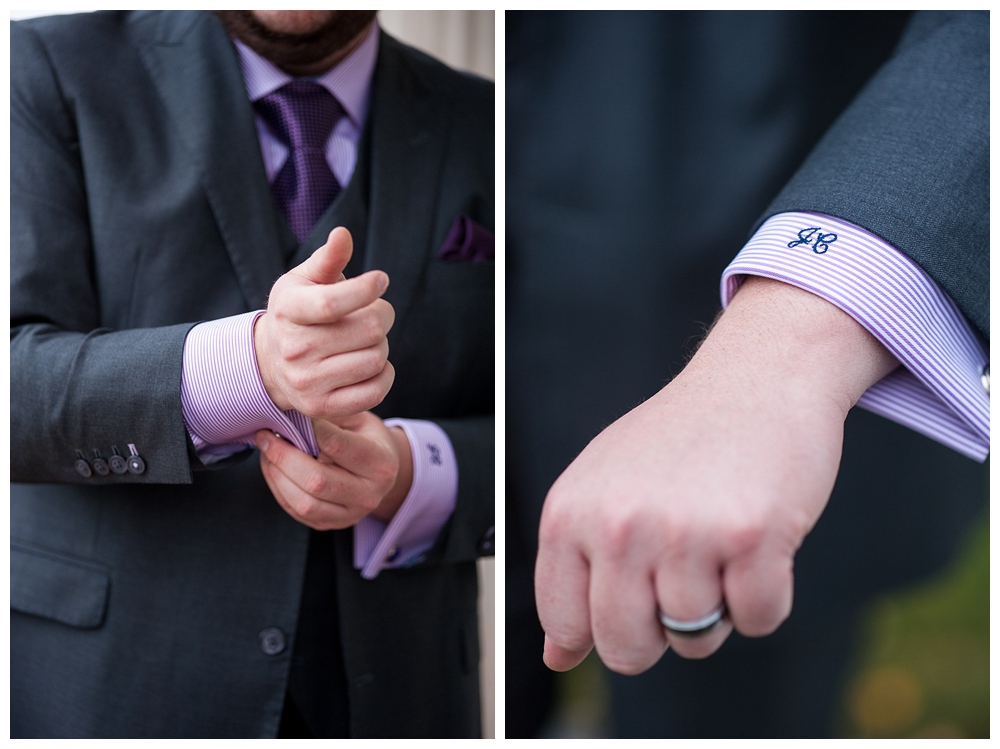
x,y
694,627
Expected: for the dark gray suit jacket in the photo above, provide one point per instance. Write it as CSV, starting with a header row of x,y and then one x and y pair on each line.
x,y
140,207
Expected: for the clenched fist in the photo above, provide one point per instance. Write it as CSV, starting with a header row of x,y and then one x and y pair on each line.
x,y
321,346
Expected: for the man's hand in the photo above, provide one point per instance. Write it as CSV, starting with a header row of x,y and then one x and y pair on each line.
x,y
321,346
704,492
364,468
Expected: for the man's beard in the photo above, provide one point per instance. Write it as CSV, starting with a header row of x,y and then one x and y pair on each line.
x,y
295,50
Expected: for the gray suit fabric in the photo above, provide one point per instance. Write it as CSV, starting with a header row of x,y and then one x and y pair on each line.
x,y
140,207
641,150
909,160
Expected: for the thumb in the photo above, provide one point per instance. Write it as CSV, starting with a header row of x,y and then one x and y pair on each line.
x,y
327,263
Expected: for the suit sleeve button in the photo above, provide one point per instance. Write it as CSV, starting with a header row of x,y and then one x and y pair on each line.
x,y
83,468
117,464
135,463
272,640
99,464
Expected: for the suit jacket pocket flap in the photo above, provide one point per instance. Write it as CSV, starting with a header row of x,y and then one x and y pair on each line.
x,y
57,588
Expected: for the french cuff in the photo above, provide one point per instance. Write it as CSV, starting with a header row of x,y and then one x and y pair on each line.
x,y
427,507
940,391
223,398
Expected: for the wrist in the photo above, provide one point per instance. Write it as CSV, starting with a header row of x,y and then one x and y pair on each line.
x,y
263,361
780,344
395,497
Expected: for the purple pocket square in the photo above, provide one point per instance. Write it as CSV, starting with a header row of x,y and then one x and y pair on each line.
x,y
467,242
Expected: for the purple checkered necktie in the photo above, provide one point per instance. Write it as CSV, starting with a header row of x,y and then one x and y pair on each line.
x,y
303,114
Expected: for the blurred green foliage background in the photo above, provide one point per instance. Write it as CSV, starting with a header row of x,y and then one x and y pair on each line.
x,y
922,668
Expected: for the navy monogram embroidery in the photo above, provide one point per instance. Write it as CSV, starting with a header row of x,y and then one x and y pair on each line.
x,y
435,454
814,236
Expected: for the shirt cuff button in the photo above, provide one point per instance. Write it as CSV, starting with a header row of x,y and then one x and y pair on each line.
x,y
393,555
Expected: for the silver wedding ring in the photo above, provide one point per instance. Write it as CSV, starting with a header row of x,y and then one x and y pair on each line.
x,y
694,627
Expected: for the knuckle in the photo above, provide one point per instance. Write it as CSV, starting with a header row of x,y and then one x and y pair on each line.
x,y
316,483
330,307
299,379
277,306
306,508
370,396
679,535
295,348
374,330
331,446
618,532
743,535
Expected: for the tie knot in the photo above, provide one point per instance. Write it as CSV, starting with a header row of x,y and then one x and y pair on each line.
x,y
301,113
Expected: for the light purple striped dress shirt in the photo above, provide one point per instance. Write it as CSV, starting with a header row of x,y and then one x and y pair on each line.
x,y
223,399
939,390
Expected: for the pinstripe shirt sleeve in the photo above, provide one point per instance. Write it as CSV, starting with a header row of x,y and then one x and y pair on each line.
x,y
224,403
939,390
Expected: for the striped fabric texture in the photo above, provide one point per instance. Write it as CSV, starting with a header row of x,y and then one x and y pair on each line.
x,y
222,396
939,390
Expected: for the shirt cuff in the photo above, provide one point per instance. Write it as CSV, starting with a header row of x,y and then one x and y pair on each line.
x,y
223,399
939,390
427,507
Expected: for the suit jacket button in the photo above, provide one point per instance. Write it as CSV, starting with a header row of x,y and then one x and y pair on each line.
x,y
117,464
83,468
486,545
100,466
136,465
272,641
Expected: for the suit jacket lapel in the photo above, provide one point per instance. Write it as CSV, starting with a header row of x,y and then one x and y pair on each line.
x,y
409,133
194,67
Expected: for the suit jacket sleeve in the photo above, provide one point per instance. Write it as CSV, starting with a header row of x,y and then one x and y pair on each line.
x,y
468,533
74,385
909,159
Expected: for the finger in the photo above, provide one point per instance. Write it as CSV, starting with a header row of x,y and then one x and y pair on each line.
x,y
327,303
623,618
562,582
326,264
357,453
352,399
361,329
313,479
314,381
366,326
303,508
759,591
689,586
560,659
